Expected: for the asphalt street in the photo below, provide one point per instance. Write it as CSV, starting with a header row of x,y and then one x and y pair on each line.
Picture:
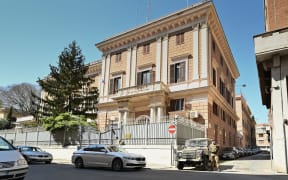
x,y
256,167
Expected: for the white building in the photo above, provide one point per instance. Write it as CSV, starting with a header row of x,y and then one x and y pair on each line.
x,y
271,49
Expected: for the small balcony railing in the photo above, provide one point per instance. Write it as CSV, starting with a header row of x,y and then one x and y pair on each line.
x,y
135,90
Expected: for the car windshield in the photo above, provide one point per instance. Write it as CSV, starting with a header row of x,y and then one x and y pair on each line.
x,y
116,149
31,149
196,143
5,145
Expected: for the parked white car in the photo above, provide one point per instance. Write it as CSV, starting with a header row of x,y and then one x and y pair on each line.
x,y
35,154
100,155
12,163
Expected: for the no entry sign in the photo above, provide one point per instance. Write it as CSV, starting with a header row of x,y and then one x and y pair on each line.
x,y
172,129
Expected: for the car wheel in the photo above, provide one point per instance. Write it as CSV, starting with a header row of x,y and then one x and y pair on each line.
x,y
48,162
79,163
117,164
180,166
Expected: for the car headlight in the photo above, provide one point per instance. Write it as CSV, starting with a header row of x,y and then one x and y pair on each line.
x,y
179,154
198,153
21,162
130,158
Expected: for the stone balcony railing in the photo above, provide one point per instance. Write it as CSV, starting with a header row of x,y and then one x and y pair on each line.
x,y
135,90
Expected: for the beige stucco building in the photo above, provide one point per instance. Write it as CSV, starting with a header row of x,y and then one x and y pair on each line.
x,y
271,49
246,124
263,136
177,66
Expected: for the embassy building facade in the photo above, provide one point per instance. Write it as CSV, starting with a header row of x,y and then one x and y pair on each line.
x,y
179,66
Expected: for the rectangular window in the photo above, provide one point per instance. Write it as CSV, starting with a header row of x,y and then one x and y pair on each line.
x,y
177,72
115,85
213,45
145,77
215,108
118,57
224,136
180,38
216,133
177,104
287,86
146,49
222,61
214,77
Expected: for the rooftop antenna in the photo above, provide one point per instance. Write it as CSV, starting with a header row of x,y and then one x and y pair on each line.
x,y
148,10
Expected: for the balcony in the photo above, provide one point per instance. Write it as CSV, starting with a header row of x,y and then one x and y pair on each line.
x,y
135,91
270,43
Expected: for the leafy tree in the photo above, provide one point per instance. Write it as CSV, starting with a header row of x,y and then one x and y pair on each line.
x,y
67,89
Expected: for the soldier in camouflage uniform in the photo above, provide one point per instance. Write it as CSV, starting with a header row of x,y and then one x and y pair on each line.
x,y
213,150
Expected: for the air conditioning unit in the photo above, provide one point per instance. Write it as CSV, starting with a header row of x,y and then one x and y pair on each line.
x,y
193,114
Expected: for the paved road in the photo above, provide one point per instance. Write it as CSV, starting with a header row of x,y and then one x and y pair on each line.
x,y
68,172
255,167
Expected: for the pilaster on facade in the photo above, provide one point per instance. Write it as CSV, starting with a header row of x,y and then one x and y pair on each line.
x,y
107,75
103,76
133,66
204,51
158,58
164,70
195,53
128,66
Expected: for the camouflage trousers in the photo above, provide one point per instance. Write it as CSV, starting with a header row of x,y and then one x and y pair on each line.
x,y
214,158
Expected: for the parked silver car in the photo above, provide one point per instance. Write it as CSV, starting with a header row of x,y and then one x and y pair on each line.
x,y
12,163
100,155
35,154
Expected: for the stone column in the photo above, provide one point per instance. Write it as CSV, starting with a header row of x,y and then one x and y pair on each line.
x,y
195,53
158,59
164,75
152,117
159,113
125,117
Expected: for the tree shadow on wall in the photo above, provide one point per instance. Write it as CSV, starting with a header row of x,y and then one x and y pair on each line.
x,y
66,137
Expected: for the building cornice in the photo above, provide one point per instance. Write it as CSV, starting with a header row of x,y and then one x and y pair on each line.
x,y
157,28
221,40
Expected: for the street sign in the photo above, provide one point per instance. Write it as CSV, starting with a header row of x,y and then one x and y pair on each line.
x,y
172,129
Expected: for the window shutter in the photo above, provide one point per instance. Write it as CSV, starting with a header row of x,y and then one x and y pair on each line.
x,y
182,71
172,105
111,86
139,76
152,76
177,39
172,73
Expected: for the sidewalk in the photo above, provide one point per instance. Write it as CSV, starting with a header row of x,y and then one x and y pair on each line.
x,y
259,166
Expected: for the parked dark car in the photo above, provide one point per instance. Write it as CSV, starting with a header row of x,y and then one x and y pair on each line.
x,y
228,153
35,154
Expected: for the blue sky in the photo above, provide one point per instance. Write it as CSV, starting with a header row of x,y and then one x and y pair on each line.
x,y
34,32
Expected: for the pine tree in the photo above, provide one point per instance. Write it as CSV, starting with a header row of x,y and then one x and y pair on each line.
x,y
10,118
67,87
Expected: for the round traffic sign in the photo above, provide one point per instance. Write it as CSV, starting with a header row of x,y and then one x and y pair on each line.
x,y
172,129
